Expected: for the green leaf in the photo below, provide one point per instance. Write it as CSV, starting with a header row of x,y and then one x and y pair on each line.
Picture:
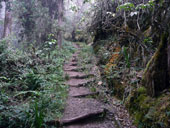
x,y
26,92
126,6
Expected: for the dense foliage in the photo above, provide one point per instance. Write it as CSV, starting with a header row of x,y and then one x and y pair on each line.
x,y
32,89
131,40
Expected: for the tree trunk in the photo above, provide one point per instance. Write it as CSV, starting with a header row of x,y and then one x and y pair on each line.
x,y
60,18
73,33
168,57
7,23
156,77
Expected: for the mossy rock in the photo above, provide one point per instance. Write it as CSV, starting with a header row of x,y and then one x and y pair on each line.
x,y
149,112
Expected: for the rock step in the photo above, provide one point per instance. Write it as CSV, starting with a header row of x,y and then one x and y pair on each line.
x,y
72,63
91,120
72,68
80,106
93,123
74,59
93,114
79,82
78,75
81,92
85,113
86,95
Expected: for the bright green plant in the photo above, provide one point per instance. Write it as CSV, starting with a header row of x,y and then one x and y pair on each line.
x,y
126,56
148,41
33,81
38,116
150,4
126,6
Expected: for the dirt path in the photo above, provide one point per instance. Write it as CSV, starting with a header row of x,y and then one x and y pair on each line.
x,y
82,110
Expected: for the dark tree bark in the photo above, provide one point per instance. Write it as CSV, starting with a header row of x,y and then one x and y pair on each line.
x,y
157,74
7,22
52,6
168,52
73,33
60,18
156,77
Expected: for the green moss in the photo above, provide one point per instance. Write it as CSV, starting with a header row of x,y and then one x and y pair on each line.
x,y
149,112
117,88
156,69
142,90
138,116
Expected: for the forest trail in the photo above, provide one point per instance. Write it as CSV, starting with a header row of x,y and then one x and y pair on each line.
x,y
82,110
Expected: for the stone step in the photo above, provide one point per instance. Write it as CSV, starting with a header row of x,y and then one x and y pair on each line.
x,y
95,119
74,59
92,94
79,82
93,123
72,64
92,114
78,75
72,68
80,108
81,92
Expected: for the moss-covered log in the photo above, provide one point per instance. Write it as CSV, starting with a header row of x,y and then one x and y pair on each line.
x,y
155,77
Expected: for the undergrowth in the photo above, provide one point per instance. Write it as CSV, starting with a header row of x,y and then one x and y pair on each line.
x,y
32,89
122,68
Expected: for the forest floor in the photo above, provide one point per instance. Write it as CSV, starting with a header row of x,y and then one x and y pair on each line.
x,y
87,105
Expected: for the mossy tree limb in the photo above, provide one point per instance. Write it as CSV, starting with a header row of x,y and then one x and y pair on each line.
x,y
155,77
